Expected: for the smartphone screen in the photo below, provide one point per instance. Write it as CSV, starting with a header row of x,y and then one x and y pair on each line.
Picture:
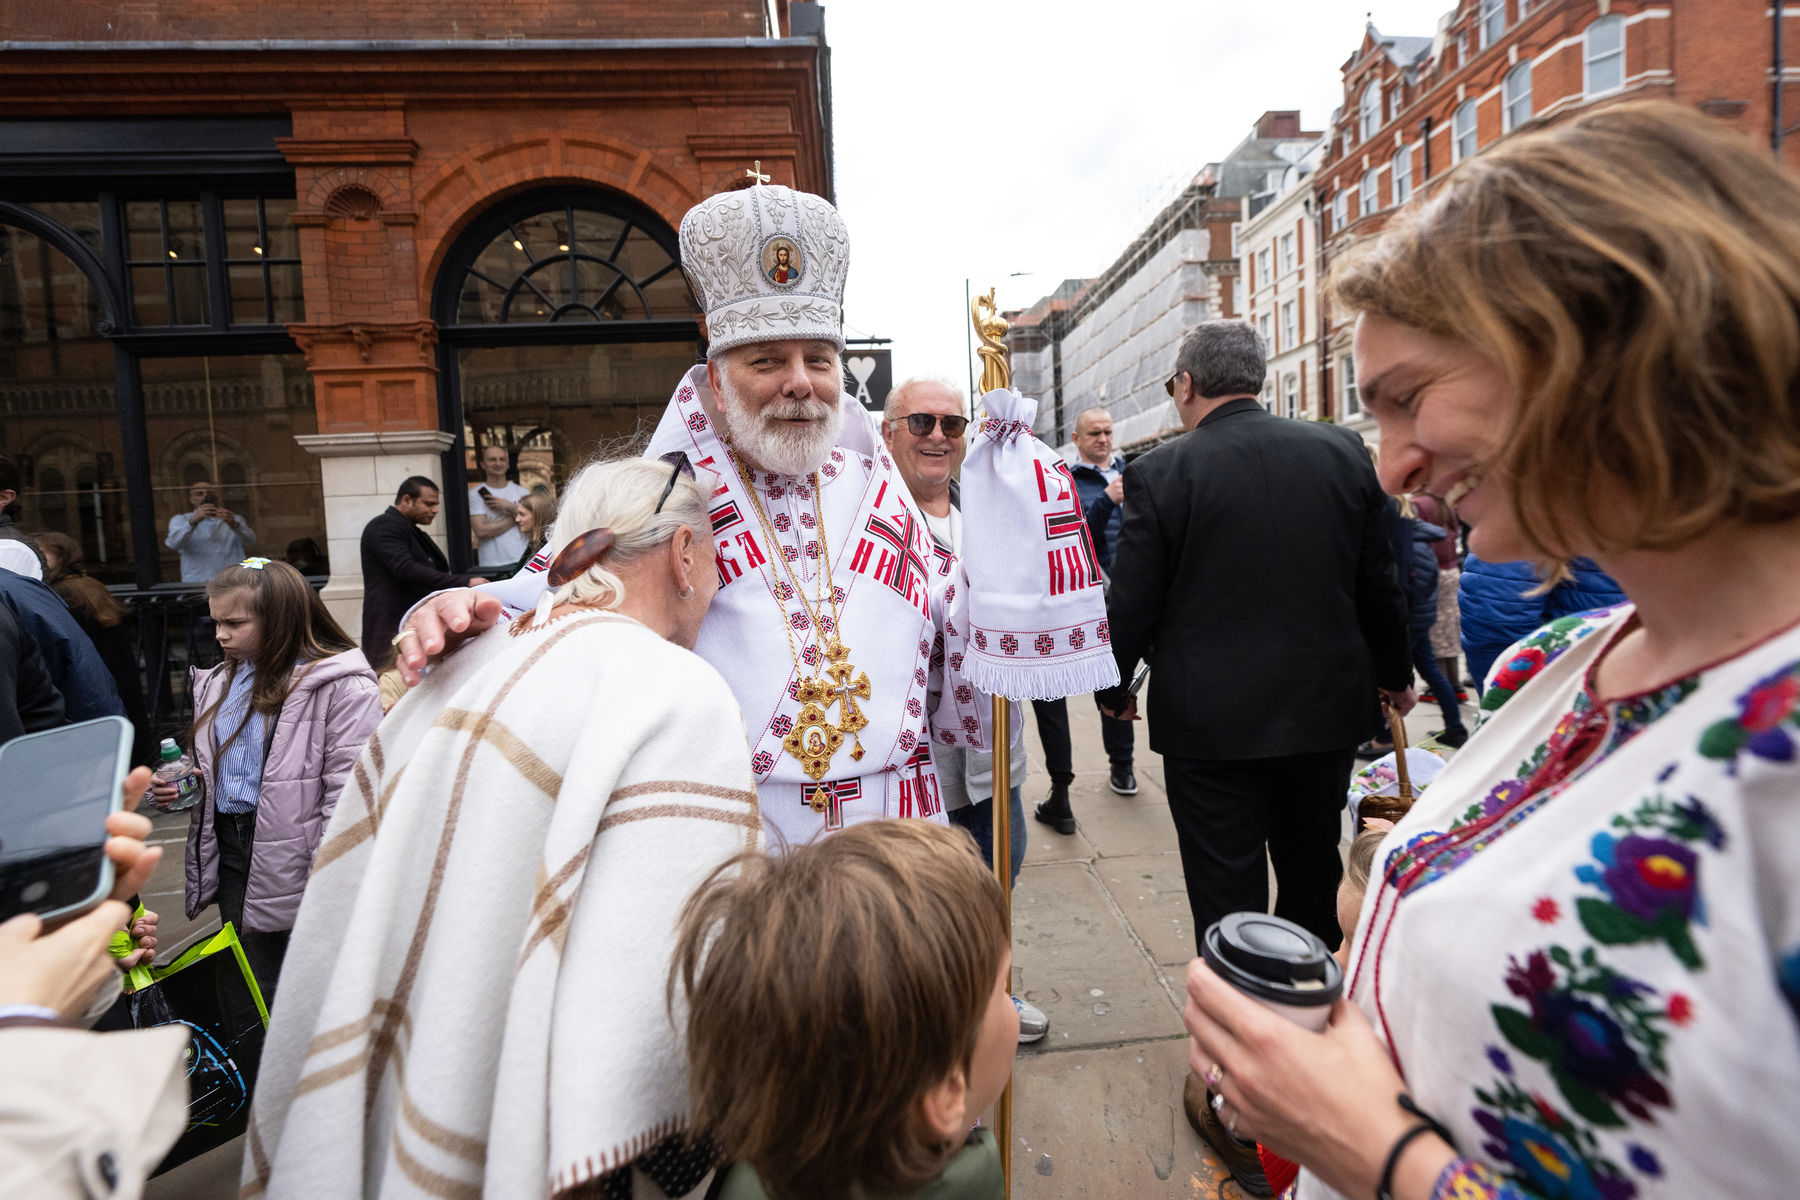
x,y
56,791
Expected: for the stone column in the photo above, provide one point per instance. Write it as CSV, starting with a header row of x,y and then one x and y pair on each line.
x,y
361,472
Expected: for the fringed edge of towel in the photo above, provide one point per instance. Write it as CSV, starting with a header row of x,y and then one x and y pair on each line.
x,y
1024,679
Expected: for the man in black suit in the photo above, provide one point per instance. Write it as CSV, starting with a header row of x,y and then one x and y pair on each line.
x,y
401,565
1253,572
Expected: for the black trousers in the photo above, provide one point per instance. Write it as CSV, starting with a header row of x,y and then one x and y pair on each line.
x,y
1227,810
264,951
1053,731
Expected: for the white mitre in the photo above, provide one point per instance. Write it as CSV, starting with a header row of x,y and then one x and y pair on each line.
x,y
767,264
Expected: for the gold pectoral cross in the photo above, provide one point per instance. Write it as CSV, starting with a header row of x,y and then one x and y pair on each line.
x,y
815,738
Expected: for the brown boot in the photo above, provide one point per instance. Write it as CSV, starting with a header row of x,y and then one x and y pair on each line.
x,y
1238,1156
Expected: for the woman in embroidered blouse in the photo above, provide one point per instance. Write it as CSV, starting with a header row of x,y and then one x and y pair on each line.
x,y
1580,953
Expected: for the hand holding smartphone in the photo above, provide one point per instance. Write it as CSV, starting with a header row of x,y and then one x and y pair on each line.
x,y
59,789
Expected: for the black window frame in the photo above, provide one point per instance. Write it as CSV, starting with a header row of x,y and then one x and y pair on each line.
x,y
446,298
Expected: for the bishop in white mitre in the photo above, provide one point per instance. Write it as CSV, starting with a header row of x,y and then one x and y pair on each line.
x,y
847,635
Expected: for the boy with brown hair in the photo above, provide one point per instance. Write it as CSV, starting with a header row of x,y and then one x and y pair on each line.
x,y
849,1016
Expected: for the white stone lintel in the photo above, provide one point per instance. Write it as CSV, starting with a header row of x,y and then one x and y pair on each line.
x,y
387,442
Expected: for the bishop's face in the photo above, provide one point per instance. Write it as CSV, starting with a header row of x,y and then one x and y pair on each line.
x,y
781,402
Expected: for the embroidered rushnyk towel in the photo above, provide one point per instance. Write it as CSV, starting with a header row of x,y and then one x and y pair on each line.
x,y
1036,606
472,1003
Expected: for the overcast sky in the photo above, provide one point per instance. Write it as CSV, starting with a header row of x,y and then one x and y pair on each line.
x,y
981,138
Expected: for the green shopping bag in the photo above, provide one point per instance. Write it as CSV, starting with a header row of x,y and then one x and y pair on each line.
x,y
210,990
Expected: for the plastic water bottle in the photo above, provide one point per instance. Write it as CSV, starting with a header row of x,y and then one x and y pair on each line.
x,y
178,769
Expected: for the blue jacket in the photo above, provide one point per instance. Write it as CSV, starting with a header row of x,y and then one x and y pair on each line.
x,y
1421,573
1497,609
1103,516
75,666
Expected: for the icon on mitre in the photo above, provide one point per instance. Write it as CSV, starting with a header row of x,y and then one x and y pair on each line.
x,y
781,261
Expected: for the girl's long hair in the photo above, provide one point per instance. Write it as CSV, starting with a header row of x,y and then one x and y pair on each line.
x,y
295,630
543,515
86,596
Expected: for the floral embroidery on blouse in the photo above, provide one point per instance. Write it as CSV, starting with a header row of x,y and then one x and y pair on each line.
x,y
1535,653
1587,733
1466,1180
1771,703
1650,875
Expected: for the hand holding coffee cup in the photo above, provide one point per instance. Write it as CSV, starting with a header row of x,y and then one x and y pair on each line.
x,y
1316,1086
1283,967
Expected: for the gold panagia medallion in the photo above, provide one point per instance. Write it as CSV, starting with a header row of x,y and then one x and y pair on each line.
x,y
815,738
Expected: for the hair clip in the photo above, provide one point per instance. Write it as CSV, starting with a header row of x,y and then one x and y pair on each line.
x,y
255,564
581,553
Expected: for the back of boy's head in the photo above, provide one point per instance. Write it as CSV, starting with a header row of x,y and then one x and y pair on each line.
x,y
1360,862
828,990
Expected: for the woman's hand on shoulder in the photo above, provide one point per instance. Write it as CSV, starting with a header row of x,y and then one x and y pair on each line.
x,y
1328,1101
438,626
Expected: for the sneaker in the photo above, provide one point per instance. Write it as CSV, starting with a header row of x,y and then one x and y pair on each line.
x,y
1122,781
1239,1157
1373,749
1033,1024
1054,811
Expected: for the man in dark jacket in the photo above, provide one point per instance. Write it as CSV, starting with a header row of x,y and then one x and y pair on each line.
x,y
75,667
1254,573
401,565
1098,474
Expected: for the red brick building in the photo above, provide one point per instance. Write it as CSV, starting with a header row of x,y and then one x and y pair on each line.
x,y
304,250
1415,106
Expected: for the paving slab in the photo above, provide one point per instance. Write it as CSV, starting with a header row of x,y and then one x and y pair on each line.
x,y
1106,1124
1044,845
1075,958
1150,891
1122,825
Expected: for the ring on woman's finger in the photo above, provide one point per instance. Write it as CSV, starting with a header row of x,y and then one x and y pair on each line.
x,y
1215,1075
1230,1122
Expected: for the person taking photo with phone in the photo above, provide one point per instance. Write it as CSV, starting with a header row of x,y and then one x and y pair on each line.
x,y
209,537
278,725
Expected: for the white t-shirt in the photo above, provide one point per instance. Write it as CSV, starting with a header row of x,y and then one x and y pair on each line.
x,y
503,549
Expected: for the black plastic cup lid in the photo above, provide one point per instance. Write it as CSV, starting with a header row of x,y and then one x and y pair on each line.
x,y
1272,959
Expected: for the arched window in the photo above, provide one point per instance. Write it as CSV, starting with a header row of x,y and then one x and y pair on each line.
x,y
1371,109
1603,57
1370,193
1402,174
1515,97
564,323
1463,138
571,261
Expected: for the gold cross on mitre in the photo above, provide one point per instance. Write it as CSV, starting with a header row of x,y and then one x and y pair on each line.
x,y
756,173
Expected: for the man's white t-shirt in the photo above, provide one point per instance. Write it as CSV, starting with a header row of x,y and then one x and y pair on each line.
x,y
503,549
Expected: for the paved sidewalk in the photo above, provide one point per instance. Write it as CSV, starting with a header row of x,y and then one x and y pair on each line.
x,y
1102,935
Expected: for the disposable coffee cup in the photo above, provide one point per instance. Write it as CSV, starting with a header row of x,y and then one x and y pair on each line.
x,y
1277,963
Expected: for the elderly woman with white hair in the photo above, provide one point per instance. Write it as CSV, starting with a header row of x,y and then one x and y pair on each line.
x,y
474,997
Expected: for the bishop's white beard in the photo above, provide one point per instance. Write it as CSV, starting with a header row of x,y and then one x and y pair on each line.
x,y
770,442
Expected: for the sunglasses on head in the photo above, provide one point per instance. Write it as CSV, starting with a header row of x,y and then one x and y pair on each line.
x,y
679,464
919,424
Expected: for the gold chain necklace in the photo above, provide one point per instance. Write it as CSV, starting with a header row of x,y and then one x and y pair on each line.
x,y
815,739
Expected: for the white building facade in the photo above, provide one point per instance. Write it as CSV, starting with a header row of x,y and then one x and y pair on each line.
x,y
1278,255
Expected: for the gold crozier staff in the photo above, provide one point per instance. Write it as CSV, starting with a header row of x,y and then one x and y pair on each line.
x,y
996,372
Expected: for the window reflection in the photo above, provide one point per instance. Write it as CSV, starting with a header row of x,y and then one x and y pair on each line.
x,y
221,432
58,414
555,407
